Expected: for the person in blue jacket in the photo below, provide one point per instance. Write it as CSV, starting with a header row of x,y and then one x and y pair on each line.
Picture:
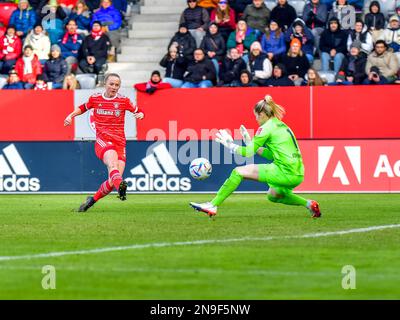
x,y
110,17
70,45
273,42
13,82
23,18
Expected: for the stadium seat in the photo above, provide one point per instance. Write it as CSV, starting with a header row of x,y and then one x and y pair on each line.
x,y
298,5
388,7
270,4
6,9
3,81
87,80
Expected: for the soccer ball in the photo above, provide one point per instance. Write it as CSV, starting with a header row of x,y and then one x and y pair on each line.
x,y
200,168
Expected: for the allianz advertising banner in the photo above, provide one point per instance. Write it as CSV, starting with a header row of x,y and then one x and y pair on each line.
x,y
330,166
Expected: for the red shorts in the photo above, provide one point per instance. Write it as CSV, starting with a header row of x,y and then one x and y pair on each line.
x,y
101,147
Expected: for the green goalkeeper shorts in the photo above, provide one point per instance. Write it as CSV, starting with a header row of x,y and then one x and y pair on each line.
x,y
277,179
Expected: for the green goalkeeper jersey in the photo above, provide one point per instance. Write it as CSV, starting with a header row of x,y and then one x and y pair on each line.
x,y
280,146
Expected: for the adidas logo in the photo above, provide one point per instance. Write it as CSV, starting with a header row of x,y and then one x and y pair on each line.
x,y
11,166
155,173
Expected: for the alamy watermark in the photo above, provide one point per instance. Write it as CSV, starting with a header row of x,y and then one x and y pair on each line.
x,y
349,279
49,279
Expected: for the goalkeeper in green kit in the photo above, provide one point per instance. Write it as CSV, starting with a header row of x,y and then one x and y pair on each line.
x,y
275,141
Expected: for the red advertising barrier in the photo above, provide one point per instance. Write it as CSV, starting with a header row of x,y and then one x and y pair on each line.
x,y
345,112
356,112
178,114
351,165
35,115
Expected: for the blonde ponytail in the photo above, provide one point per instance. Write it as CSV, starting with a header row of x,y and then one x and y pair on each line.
x,y
270,108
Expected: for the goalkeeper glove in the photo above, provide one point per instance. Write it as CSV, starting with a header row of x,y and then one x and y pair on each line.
x,y
245,135
224,138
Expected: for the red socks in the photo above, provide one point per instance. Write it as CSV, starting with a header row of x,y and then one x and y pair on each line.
x,y
115,178
104,190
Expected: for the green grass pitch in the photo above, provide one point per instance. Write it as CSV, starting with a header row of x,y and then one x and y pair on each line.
x,y
279,268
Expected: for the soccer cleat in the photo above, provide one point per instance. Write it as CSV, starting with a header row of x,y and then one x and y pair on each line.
x,y
206,207
122,190
87,204
314,209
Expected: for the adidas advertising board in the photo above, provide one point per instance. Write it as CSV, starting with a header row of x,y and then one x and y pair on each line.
x,y
72,167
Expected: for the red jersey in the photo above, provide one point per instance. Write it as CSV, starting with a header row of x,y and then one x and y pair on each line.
x,y
109,116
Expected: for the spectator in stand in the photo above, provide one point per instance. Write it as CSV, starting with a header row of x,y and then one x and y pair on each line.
x,y
10,49
93,5
213,45
13,82
313,79
391,35
28,67
375,77
257,16
40,83
375,20
196,19
81,14
95,50
231,67
23,18
273,42
70,82
111,19
70,45
362,36
40,43
184,41
345,13
385,60
154,84
333,45
224,17
175,65
284,14
315,15
55,69
67,5
55,25
51,9
296,62
259,64
279,77
239,6
353,66
245,81
241,38
299,31
200,72
209,5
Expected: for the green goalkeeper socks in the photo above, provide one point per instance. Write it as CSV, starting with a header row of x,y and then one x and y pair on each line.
x,y
289,198
227,188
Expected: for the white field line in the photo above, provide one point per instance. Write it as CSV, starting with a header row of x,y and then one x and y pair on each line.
x,y
190,243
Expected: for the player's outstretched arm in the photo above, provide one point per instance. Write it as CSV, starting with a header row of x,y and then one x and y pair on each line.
x,y
68,119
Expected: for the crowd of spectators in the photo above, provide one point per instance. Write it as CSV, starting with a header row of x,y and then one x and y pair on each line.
x,y
242,43
46,42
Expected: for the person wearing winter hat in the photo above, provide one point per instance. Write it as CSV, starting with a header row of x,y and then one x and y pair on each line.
x,y
23,18
375,20
155,83
40,42
13,81
55,68
184,42
333,45
245,80
299,30
391,35
94,50
273,42
296,62
279,77
353,65
259,64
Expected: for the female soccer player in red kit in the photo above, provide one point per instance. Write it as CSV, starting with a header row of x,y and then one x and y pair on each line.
x,y
109,117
